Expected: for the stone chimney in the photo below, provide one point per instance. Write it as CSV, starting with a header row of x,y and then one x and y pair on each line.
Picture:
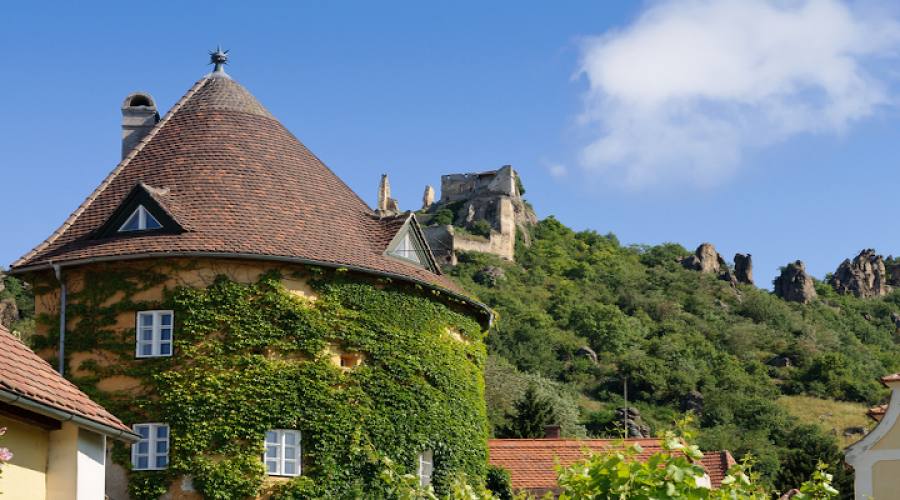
x,y
139,115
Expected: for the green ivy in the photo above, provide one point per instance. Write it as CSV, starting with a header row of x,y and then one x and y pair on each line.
x,y
252,357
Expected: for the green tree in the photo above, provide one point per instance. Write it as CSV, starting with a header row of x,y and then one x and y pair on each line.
x,y
533,414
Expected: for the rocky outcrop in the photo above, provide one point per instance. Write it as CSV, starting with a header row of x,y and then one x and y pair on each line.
x,y
865,276
428,197
705,259
692,402
9,312
586,352
794,284
743,268
489,276
630,419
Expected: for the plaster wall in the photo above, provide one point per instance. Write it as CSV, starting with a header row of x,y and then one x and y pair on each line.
x,y
25,476
886,480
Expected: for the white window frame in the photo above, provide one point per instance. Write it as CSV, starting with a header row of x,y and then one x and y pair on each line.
x,y
152,440
280,459
425,467
156,342
142,214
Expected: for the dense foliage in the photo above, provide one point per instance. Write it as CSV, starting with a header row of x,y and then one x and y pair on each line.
x,y
675,334
252,357
673,472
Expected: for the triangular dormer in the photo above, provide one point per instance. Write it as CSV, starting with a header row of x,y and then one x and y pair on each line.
x,y
409,245
140,213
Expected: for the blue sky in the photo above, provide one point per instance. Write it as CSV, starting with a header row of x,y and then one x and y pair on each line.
x,y
618,115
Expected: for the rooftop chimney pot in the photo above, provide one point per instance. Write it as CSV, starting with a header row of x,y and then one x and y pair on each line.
x,y
139,116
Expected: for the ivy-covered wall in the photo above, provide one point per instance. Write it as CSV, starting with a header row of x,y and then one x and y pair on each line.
x,y
253,351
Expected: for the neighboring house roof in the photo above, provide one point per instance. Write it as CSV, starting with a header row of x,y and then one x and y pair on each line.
x,y
239,184
894,377
532,462
876,413
29,382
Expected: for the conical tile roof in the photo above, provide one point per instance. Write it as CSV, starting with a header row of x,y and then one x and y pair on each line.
x,y
239,184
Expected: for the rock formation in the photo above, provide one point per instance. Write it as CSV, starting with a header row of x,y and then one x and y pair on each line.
x,y
586,352
9,312
794,284
693,402
489,276
865,276
743,268
630,419
387,206
705,259
428,197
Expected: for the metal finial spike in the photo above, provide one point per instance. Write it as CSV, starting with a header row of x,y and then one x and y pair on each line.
x,y
219,58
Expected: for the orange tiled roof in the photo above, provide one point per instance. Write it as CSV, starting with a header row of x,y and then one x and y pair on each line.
x,y
532,462
876,413
24,373
239,184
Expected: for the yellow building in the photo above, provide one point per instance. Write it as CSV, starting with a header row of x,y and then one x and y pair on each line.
x,y
876,457
56,434
255,322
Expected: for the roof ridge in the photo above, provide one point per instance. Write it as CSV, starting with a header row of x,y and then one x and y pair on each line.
x,y
112,175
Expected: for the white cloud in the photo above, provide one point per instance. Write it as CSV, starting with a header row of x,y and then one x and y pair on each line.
x,y
557,170
681,93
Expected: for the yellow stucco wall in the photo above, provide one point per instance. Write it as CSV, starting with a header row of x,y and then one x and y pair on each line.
x,y
24,478
886,480
890,441
197,273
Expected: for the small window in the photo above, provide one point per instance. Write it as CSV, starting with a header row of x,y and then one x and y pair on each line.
x,y
154,334
140,220
350,360
152,451
282,452
426,467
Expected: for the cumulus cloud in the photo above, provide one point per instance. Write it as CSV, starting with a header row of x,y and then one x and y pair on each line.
x,y
682,92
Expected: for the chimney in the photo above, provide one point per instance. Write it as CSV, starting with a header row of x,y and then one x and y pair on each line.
x,y
552,432
139,115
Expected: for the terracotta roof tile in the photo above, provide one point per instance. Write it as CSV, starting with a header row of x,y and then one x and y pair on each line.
x,y
532,462
242,185
24,373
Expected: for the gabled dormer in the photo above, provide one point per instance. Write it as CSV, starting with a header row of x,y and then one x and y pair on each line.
x,y
409,245
141,212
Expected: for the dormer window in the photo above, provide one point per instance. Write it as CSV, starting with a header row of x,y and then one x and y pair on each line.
x,y
406,249
409,245
140,220
143,211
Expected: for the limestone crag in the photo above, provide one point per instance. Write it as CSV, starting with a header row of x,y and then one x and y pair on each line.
x,y
794,284
705,259
743,268
865,276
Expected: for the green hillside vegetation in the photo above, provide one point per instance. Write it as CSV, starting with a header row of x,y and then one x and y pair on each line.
x,y
834,417
672,331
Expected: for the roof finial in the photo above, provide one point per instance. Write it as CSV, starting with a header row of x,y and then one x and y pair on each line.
x,y
220,59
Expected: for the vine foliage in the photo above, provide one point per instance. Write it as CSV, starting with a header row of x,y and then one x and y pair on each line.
x,y
253,357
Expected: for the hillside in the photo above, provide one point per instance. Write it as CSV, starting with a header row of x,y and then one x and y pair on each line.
x,y
682,339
